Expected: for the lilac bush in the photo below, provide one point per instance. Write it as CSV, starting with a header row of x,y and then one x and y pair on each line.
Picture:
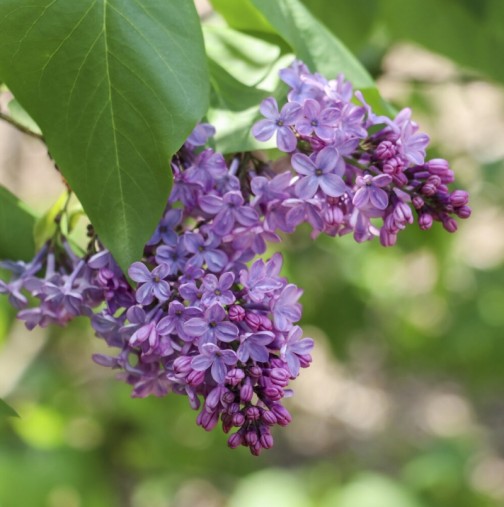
x,y
208,315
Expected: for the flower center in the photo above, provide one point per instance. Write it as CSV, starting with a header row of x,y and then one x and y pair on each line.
x,y
319,172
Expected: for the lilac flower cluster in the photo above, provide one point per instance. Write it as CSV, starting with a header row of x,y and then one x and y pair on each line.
x,y
355,172
209,317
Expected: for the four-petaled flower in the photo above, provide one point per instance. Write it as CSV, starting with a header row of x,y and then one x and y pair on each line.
x,y
216,359
370,193
214,326
253,345
294,347
151,284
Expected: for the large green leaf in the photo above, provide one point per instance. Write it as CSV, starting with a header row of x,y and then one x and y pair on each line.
x,y
116,86
16,228
242,15
312,42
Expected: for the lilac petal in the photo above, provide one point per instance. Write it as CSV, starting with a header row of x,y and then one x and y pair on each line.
x,y
263,130
290,113
303,346
195,326
210,282
211,204
286,140
361,197
303,164
165,326
330,115
293,364
246,216
304,127
306,187
382,180
332,184
219,371
201,362
162,290
296,215
161,271
311,108
139,272
269,108
378,198
243,353
192,241
216,260
258,352
224,222
325,133
215,313
144,294
327,159
226,280
226,332
229,357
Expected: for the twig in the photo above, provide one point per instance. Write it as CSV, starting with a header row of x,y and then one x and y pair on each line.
x,y
20,127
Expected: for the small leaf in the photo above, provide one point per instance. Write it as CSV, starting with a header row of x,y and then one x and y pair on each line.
x,y
45,227
6,410
16,228
312,42
116,86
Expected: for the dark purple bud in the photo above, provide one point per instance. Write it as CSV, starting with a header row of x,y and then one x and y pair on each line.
x,y
182,365
282,414
266,324
256,449
459,198
428,189
213,398
255,372
208,420
384,150
450,224
228,397
236,313
251,438
104,360
438,166
227,423
387,238
238,419
269,417
463,212
235,376
266,440
434,180
333,215
274,393
425,221
253,320
233,408
279,376
246,393
305,360
418,202
235,440
195,378
253,413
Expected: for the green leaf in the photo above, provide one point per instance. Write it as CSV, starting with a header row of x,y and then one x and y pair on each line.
x,y
116,86
248,59
242,15
45,226
312,42
16,228
471,37
7,410
22,117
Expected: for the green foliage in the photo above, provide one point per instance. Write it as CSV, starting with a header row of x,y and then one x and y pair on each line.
x,y
16,226
115,87
6,410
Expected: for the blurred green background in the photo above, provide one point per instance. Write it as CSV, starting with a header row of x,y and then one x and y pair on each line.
x,y
403,404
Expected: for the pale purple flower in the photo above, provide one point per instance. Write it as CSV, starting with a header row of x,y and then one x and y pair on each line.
x,y
258,281
253,345
214,326
286,308
317,119
173,323
319,173
206,168
216,359
277,122
216,290
151,284
294,347
200,135
165,231
174,256
205,251
266,190
227,210
370,193
411,143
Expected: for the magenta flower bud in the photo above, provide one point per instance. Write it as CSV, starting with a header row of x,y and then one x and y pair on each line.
x,y
333,215
450,224
438,166
393,166
235,440
253,413
227,397
402,213
195,378
269,418
425,221
266,324
251,438
418,202
256,449
238,419
182,365
103,360
213,398
246,393
253,321
255,371
235,376
459,198
385,149
463,212
387,238
434,180
233,408
266,441
282,414
429,189
208,420
274,393
305,360
279,377
236,313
